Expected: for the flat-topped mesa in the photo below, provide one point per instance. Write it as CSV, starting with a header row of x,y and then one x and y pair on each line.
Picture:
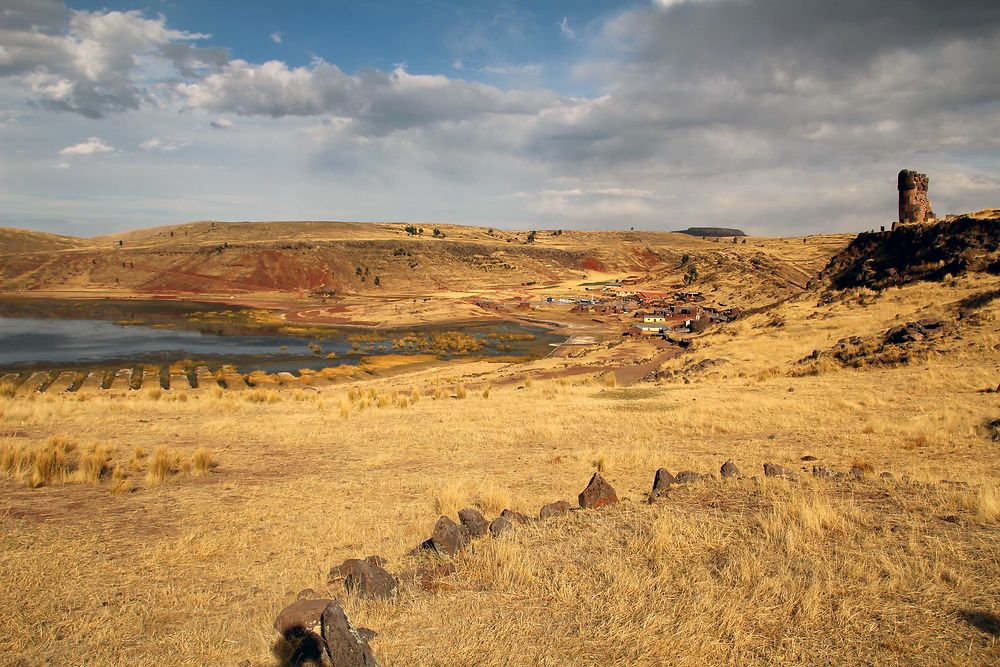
x,y
914,204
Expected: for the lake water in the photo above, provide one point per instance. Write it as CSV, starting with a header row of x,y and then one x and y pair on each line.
x,y
68,337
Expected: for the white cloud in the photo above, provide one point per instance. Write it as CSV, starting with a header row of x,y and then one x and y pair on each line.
x,y
277,37
532,69
91,146
221,124
457,64
165,145
565,30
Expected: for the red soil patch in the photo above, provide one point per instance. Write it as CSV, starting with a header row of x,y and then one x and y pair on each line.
x,y
593,264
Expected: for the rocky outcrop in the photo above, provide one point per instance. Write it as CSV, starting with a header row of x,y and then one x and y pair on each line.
x,y
910,253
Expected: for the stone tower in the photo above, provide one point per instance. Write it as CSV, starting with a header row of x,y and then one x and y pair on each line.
x,y
914,205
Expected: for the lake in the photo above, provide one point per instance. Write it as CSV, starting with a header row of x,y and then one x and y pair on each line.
x,y
36,334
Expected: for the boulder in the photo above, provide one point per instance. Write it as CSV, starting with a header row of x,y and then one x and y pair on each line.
x,y
345,644
300,617
729,469
661,484
554,509
775,470
500,525
808,457
366,578
448,538
474,521
597,494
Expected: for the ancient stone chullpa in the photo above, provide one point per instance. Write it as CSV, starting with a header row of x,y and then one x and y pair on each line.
x,y
914,202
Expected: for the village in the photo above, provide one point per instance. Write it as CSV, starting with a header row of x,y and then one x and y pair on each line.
x,y
624,303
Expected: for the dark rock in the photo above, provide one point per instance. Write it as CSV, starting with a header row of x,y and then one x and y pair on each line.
x,y
775,470
500,525
511,515
886,475
661,484
729,469
473,520
308,594
554,509
300,617
687,476
447,538
931,323
430,577
822,472
345,644
809,457
597,494
367,578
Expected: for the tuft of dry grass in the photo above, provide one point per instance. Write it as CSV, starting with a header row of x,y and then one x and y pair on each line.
x,y
161,466
94,464
461,392
261,396
7,389
120,485
486,391
203,461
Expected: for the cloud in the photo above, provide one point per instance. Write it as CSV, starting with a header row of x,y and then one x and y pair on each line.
x,y
277,37
164,145
86,62
565,30
221,124
381,102
533,69
91,146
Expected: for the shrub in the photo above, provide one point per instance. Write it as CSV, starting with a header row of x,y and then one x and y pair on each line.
x,y
461,392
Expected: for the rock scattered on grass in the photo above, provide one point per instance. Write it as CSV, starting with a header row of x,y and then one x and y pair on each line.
x,y
500,525
346,645
554,509
474,521
448,538
597,494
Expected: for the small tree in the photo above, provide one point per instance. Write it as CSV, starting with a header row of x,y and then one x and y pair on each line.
x,y
378,281
438,234
691,275
531,237
358,271
685,258
411,230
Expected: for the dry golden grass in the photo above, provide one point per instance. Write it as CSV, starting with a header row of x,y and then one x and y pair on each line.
x,y
882,571
161,466
202,461
7,389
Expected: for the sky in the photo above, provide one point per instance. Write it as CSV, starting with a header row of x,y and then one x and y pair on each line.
x,y
780,117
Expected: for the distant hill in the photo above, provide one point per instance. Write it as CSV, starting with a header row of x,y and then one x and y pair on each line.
x,y
386,259
712,231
